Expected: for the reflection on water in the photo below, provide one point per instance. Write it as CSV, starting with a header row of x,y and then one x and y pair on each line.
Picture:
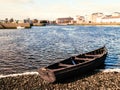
x,y
29,49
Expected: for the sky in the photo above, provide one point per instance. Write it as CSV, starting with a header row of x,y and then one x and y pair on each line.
x,y
52,9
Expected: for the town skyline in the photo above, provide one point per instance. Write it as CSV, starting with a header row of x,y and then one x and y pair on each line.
x,y
50,10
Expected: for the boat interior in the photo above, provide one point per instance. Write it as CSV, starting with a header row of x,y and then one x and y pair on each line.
x,y
75,60
69,62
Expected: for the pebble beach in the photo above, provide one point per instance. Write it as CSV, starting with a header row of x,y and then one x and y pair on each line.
x,y
97,80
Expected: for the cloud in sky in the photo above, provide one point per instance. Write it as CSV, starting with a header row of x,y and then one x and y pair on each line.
x,y
51,9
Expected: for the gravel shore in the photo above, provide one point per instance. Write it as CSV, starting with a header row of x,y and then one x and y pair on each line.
x,y
91,81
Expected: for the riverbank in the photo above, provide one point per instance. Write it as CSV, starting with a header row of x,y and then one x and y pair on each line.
x,y
99,24
39,24
102,80
14,25
90,24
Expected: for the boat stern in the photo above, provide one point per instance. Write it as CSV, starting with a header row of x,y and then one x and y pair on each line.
x,y
47,74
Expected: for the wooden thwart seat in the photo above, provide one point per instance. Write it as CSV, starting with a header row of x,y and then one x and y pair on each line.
x,y
97,55
62,66
66,65
85,59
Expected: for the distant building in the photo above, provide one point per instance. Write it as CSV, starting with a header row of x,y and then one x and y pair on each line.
x,y
21,21
80,19
52,22
116,14
111,19
96,17
64,21
101,18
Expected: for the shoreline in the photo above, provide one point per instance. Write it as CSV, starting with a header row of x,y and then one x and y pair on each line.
x,y
91,81
90,24
14,25
36,73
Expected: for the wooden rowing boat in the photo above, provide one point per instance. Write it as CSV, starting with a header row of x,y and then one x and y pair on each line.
x,y
76,64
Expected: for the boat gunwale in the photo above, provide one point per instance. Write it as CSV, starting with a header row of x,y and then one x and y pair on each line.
x,y
79,64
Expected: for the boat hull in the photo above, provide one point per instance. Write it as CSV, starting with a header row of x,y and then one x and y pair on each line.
x,y
80,69
73,66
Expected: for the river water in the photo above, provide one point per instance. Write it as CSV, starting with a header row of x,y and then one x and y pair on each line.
x,y
28,49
